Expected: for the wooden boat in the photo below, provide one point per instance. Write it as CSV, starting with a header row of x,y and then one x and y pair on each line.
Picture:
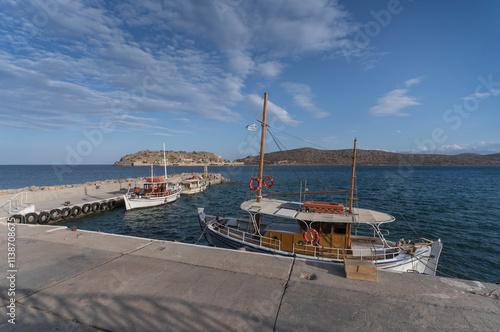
x,y
320,231
156,191
193,185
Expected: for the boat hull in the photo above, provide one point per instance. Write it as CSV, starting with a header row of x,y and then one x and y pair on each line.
x,y
422,261
144,202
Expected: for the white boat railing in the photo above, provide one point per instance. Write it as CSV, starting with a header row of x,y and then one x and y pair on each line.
x,y
263,241
337,253
372,251
368,231
20,201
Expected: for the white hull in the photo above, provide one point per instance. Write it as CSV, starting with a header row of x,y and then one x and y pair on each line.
x,y
192,191
145,202
423,260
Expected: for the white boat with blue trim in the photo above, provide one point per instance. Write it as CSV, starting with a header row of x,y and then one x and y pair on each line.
x,y
319,231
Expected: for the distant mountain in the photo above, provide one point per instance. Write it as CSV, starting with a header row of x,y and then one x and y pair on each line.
x,y
310,156
176,158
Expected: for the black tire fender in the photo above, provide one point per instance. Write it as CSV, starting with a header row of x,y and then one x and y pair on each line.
x,y
76,211
66,213
95,207
17,218
55,214
31,218
103,206
86,208
43,217
111,204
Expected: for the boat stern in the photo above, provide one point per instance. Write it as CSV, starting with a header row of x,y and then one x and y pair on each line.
x,y
432,262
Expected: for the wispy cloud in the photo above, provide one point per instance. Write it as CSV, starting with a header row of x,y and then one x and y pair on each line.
x,y
479,148
395,100
482,95
413,81
302,97
330,139
275,113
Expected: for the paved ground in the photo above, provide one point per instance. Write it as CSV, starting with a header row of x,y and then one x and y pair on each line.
x,y
86,281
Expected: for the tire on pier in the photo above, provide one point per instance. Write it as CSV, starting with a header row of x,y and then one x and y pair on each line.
x,y
43,218
86,208
66,213
103,207
111,204
31,218
76,211
55,214
17,218
95,207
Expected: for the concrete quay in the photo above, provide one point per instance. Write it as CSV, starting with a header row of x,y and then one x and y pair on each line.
x,y
89,281
48,199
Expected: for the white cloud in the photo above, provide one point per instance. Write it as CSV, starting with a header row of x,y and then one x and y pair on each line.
x,y
275,113
393,102
482,95
479,148
330,139
396,100
302,97
180,57
413,81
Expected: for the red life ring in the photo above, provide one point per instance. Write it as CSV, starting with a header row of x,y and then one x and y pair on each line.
x,y
268,185
250,184
155,186
315,236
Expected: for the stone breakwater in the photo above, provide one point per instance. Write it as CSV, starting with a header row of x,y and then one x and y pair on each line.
x,y
213,178
49,204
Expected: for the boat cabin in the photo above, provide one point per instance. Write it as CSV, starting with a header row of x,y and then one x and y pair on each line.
x,y
319,228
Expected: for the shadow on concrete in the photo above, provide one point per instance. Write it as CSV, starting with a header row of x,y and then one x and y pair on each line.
x,y
136,313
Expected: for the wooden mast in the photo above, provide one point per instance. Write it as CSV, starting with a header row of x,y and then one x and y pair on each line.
x,y
351,198
262,141
353,176
261,162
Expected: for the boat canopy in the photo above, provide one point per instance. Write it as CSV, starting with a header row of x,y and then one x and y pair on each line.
x,y
293,210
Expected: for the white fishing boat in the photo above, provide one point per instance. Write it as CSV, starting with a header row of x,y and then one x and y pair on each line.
x,y
319,231
156,191
193,185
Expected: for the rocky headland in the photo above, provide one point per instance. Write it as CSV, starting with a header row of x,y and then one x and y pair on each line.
x,y
310,156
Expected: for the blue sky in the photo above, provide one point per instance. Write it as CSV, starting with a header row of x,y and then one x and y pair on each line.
x,y
86,82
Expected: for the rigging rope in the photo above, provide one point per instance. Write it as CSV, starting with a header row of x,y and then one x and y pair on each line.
x,y
277,144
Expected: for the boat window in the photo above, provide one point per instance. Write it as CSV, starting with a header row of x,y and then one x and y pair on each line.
x,y
339,228
326,227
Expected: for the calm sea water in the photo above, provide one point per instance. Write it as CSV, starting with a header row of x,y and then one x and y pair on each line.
x,y
460,205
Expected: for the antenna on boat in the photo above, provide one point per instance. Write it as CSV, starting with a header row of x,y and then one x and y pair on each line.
x,y
262,140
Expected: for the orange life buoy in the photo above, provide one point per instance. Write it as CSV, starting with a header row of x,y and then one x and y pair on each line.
x,y
314,238
264,183
250,184
155,186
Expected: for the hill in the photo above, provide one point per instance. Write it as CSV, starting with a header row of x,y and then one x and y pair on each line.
x,y
176,158
310,156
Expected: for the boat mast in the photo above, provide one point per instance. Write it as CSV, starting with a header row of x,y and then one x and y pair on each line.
x,y
164,161
351,199
353,176
262,140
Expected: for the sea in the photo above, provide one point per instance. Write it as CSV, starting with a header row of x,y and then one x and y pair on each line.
x,y
458,204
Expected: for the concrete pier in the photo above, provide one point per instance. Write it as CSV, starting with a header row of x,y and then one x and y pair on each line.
x,y
87,281
46,199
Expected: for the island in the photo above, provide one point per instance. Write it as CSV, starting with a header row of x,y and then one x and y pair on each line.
x,y
311,156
